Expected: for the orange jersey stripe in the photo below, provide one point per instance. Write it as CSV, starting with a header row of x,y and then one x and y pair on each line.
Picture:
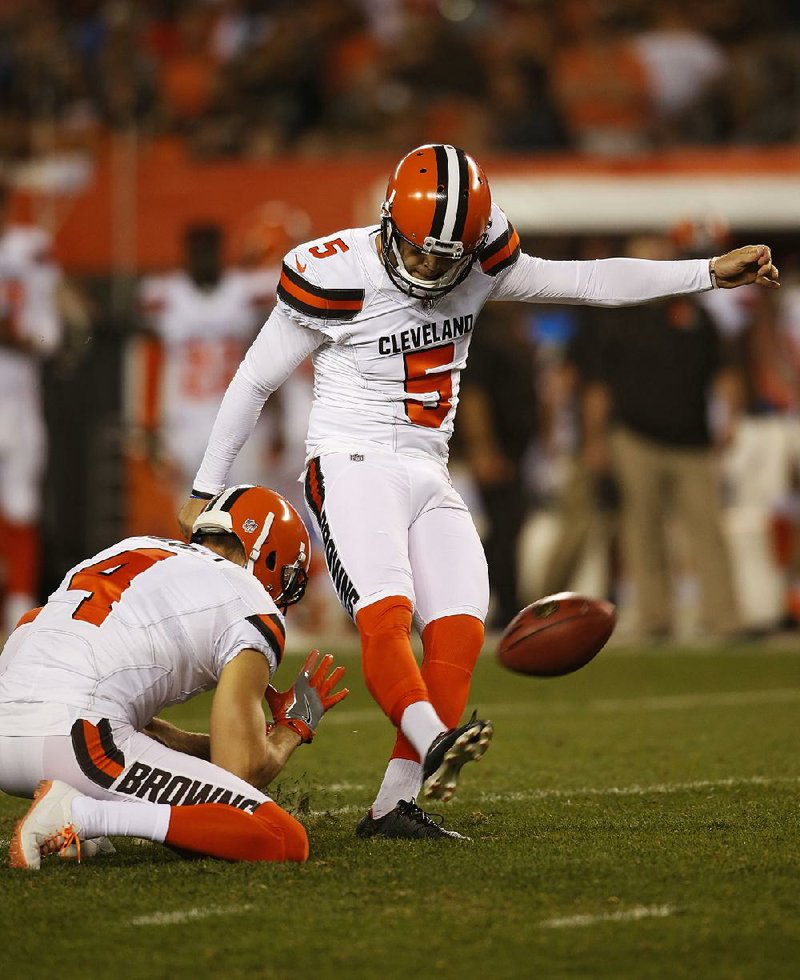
x,y
502,254
320,302
97,753
274,629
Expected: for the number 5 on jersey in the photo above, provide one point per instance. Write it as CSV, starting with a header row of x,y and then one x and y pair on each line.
x,y
423,378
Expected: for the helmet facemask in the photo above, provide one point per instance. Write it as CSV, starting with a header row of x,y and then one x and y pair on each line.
x,y
437,203
294,579
406,281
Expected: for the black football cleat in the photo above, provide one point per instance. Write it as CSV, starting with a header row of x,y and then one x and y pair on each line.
x,y
449,752
406,822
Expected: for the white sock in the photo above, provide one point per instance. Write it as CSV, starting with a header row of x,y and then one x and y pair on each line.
x,y
420,724
107,818
402,781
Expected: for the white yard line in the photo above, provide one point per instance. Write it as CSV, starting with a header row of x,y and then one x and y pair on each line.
x,y
624,915
187,915
730,782
338,811
678,702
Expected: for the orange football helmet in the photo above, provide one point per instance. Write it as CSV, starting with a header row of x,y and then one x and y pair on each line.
x,y
438,200
272,533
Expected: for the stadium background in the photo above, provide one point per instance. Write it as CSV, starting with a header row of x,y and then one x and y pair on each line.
x,y
636,819
122,123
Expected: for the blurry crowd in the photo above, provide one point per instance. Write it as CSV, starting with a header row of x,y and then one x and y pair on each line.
x,y
651,454
659,463
257,78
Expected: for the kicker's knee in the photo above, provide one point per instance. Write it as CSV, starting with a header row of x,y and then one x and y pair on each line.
x,y
390,615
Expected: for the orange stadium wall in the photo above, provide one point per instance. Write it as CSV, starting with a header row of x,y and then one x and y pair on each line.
x,y
131,214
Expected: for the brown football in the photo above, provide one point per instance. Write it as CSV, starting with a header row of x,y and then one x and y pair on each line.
x,y
556,635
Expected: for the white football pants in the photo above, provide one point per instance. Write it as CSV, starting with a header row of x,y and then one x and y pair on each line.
x,y
394,525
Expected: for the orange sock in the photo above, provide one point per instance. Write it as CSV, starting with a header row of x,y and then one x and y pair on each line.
x,y
451,646
222,831
387,660
22,558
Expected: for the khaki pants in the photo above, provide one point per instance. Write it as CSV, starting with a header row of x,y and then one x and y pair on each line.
x,y
581,523
654,480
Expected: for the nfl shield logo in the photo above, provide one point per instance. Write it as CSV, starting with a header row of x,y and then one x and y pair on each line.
x,y
250,525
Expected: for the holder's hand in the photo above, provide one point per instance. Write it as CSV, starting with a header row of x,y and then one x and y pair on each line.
x,y
189,513
301,707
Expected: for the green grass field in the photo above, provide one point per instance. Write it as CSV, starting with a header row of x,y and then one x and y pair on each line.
x,y
637,819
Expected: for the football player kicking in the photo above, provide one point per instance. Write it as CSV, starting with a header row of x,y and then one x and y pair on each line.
x,y
386,314
148,623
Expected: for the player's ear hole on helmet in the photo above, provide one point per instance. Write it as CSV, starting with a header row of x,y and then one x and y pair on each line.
x,y
271,560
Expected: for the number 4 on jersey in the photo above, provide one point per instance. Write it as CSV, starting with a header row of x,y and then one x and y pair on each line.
x,y
106,580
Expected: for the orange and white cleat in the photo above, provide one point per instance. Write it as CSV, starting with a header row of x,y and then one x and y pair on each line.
x,y
46,828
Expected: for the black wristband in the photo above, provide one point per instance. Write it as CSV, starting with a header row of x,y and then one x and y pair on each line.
x,y
199,495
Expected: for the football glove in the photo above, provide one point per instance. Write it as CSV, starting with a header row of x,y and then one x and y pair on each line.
x,y
301,707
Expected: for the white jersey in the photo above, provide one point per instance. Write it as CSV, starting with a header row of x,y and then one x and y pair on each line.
x,y
144,624
387,376
28,282
387,366
203,335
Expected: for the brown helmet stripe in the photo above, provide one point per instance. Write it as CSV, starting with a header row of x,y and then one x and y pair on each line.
x,y
442,187
463,197
234,496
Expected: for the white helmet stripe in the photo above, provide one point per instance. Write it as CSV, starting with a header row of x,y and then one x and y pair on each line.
x,y
224,497
453,194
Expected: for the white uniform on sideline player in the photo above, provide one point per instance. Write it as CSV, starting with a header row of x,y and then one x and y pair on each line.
x,y
30,329
199,322
149,623
387,313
